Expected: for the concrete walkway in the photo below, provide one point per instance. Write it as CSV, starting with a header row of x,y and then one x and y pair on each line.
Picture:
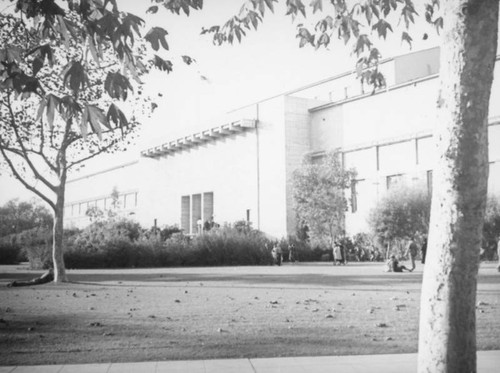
x,y
488,362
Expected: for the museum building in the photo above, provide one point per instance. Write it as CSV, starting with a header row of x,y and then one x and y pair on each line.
x,y
241,168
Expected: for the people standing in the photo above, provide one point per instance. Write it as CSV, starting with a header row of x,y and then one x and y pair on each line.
x,y
412,251
337,254
277,254
423,250
498,254
291,253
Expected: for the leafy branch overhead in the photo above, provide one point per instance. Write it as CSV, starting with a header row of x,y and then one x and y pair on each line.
x,y
349,21
97,36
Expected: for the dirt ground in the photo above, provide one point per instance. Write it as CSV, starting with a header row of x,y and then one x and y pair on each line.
x,y
223,312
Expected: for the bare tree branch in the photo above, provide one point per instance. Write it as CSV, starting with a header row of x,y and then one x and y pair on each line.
x,y
20,178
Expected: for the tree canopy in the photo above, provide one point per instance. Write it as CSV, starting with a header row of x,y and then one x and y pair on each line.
x,y
319,197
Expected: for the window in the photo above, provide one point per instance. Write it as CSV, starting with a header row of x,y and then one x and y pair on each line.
x,y
185,215
429,182
196,209
354,197
208,206
196,222
394,180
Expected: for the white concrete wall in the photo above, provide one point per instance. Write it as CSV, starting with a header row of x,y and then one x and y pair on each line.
x,y
227,167
297,144
95,189
272,167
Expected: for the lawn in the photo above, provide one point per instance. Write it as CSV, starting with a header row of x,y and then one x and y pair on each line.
x,y
222,312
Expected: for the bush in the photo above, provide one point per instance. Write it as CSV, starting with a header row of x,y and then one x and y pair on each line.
x,y
9,253
111,245
403,213
491,230
36,244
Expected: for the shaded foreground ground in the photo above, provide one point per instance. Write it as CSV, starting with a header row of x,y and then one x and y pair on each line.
x,y
222,312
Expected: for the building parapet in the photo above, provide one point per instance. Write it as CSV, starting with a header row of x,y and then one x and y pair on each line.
x,y
199,138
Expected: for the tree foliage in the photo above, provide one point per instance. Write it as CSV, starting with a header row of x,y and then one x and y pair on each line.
x,y
319,197
65,70
18,216
491,230
403,213
352,22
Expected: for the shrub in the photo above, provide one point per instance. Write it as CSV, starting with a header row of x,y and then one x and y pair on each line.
x,y
36,243
401,214
491,230
9,253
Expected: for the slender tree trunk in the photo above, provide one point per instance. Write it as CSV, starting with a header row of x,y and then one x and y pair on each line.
x,y
447,339
57,244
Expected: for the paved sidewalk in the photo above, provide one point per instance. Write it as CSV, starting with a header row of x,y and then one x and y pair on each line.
x,y
488,362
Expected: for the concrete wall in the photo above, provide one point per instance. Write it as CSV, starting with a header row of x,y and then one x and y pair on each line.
x,y
297,144
95,190
226,167
272,166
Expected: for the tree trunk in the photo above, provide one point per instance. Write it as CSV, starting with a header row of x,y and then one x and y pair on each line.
x,y
447,336
57,244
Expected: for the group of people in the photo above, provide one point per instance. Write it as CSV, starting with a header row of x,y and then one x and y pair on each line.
x,y
412,252
277,253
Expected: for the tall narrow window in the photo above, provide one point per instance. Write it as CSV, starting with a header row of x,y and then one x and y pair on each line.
x,y
208,206
354,197
429,182
185,215
196,222
393,180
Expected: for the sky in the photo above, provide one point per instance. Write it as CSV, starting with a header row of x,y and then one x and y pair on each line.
x,y
267,62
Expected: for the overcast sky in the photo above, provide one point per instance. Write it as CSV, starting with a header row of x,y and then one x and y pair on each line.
x,y
266,63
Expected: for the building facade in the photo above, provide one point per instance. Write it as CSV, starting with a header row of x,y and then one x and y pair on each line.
x,y
242,169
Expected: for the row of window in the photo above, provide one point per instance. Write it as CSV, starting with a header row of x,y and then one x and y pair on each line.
x,y
196,210
123,201
391,182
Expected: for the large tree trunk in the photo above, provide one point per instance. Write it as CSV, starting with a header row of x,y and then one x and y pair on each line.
x,y
57,245
447,340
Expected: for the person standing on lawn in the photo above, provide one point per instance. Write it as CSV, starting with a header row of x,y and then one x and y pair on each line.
x,y
412,251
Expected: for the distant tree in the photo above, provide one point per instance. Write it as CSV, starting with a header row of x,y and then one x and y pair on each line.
x,y
319,197
447,338
403,213
491,230
63,68
18,216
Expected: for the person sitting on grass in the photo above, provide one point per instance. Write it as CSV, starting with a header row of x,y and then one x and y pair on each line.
x,y
396,267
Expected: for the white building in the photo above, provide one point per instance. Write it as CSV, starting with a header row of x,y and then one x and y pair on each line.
x,y
241,168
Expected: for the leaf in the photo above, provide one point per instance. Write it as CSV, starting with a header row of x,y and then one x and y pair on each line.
x,y
162,64
188,60
117,85
324,39
50,104
406,37
305,37
152,9
74,76
269,4
37,65
69,107
156,36
362,43
95,117
439,24
116,116
382,26
317,5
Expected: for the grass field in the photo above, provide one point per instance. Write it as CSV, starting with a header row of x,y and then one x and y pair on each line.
x,y
222,312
